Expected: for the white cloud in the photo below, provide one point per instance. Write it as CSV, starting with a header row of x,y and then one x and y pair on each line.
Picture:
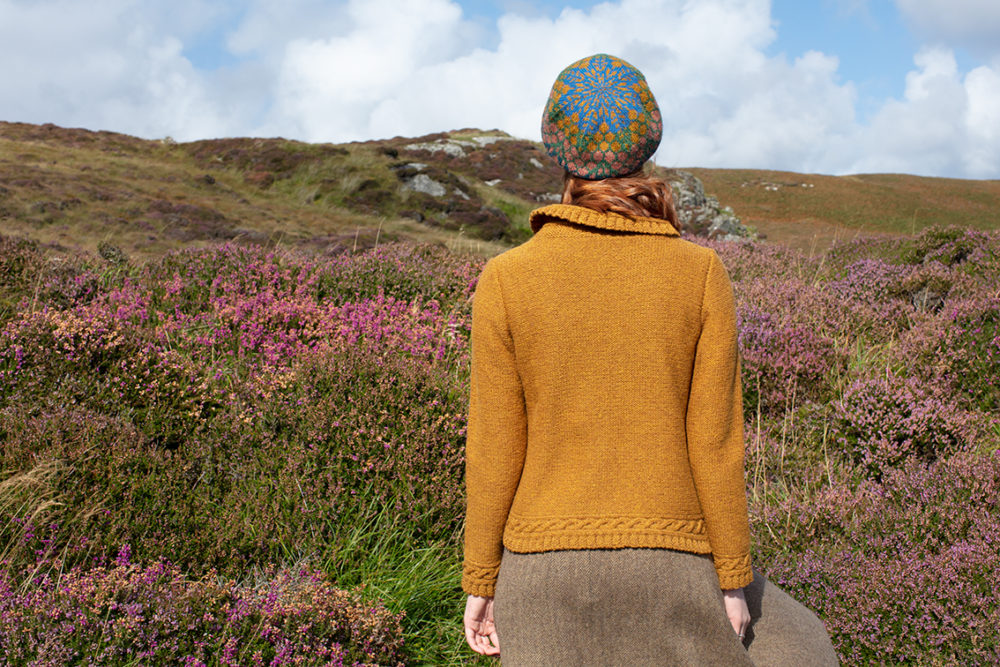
x,y
973,24
723,100
362,69
116,66
725,103
267,26
330,88
946,124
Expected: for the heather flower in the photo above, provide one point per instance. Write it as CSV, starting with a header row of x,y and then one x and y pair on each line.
x,y
872,288
123,612
958,348
909,572
783,362
949,246
882,421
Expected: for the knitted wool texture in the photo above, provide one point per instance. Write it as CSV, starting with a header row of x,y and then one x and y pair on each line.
x,y
605,402
601,120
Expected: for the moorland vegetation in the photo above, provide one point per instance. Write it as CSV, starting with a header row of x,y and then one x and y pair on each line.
x,y
251,453
238,455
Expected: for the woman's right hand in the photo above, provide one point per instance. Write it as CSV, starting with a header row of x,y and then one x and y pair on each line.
x,y
737,611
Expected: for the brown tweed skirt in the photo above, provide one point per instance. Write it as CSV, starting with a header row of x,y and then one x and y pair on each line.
x,y
643,607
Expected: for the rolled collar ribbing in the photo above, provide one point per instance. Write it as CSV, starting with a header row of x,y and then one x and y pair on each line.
x,y
592,218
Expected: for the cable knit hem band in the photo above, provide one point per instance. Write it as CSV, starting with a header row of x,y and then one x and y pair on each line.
x,y
586,216
532,535
556,533
605,540
522,529
731,581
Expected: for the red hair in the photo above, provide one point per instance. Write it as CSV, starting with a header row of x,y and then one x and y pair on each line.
x,y
635,194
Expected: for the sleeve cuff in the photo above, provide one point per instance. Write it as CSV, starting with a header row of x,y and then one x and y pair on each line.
x,y
733,571
479,580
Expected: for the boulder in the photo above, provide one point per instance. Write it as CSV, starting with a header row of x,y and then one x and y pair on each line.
x,y
426,184
701,214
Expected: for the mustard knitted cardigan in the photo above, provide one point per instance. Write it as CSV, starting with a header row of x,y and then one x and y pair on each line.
x,y
605,404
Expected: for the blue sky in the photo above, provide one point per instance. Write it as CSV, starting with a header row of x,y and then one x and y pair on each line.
x,y
830,86
873,47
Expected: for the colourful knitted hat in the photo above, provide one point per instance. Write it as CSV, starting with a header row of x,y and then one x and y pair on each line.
x,y
601,119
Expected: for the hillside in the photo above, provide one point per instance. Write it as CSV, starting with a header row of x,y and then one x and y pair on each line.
x,y
74,189
806,210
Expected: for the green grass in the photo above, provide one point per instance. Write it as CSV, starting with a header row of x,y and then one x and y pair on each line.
x,y
72,189
420,578
515,208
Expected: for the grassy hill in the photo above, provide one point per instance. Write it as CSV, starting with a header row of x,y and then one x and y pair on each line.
x,y
813,210
74,189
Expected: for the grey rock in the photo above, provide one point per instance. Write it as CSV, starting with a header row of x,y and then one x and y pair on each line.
x,y
447,146
488,139
702,214
926,299
112,253
426,184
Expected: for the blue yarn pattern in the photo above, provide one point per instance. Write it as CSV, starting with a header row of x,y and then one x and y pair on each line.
x,y
601,92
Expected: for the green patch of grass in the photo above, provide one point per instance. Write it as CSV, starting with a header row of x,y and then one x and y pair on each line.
x,y
387,556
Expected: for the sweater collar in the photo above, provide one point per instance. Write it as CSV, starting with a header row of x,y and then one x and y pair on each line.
x,y
592,218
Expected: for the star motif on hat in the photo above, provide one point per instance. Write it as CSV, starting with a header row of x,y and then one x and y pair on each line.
x,y
600,92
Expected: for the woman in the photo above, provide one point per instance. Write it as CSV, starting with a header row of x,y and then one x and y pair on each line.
x,y
606,518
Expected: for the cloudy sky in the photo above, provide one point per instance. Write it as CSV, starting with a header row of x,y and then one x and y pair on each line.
x,y
828,86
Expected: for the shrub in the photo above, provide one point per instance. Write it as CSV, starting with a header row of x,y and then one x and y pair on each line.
x,y
959,349
292,456
20,262
949,246
227,409
124,613
882,421
845,252
746,261
912,578
873,288
400,270
783,362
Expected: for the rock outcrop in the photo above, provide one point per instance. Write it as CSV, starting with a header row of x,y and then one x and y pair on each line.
x,y
701,214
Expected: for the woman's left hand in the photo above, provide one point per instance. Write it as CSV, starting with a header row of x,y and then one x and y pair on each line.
x,y
479,627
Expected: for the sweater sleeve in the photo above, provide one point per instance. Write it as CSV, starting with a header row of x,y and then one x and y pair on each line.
x,y
496,436
715,431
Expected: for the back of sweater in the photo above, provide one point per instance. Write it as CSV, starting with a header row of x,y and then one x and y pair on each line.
x,y
605,402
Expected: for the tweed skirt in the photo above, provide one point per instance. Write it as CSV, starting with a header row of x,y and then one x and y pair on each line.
x,y
643,607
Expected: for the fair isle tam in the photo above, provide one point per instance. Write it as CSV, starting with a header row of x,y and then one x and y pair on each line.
x,y
601,120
